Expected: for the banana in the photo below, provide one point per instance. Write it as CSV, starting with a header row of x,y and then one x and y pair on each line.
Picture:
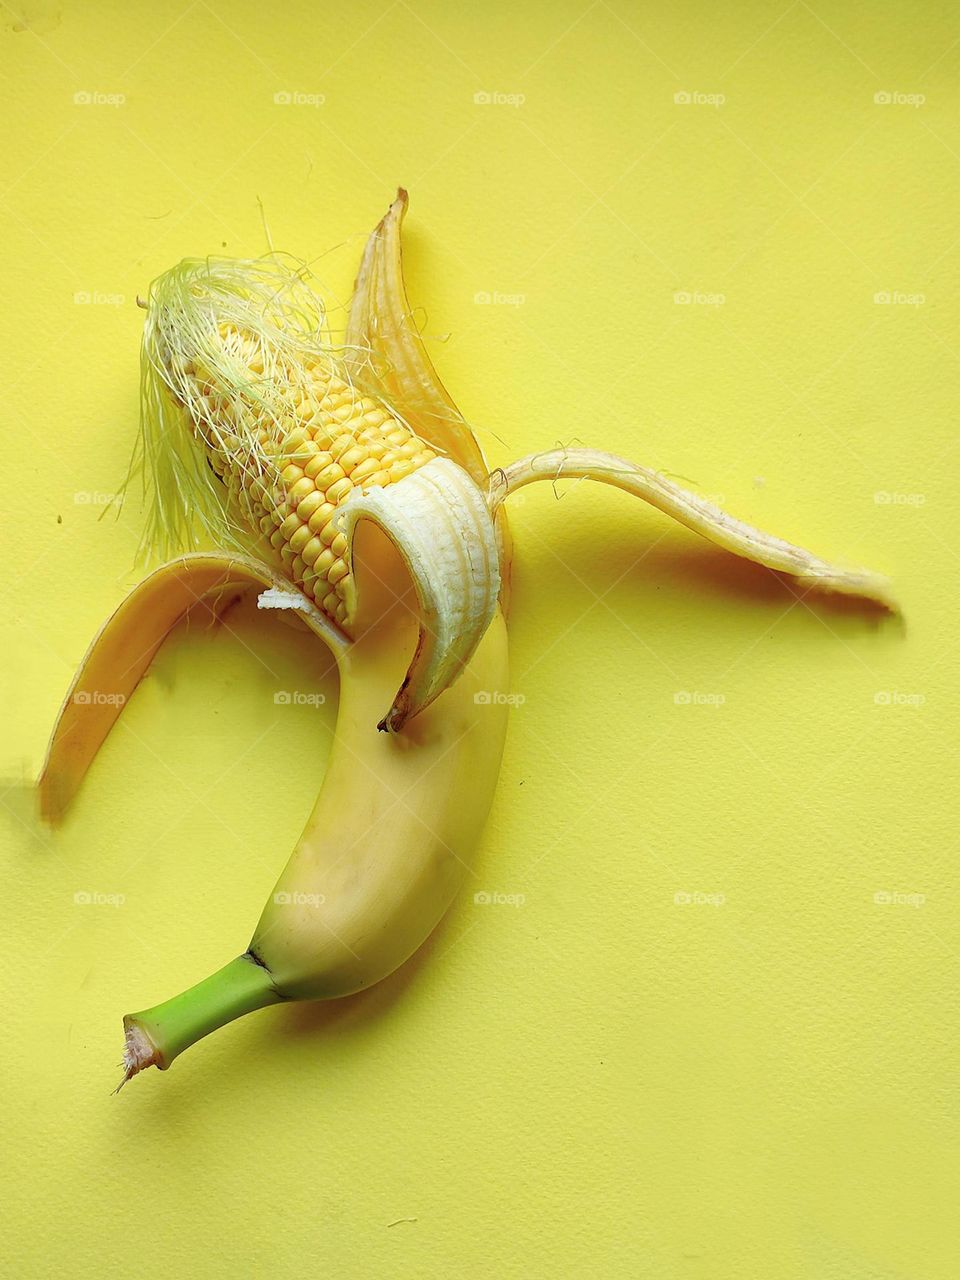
x,y
400,566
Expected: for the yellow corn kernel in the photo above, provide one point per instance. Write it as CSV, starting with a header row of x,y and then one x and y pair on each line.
x,y
321,517
290,526
308,505
312,549
324,563
299,540
328,476
302,489
363,469
319,462
338,571
339,490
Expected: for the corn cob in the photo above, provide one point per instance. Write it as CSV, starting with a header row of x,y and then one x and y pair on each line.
x,y
282,424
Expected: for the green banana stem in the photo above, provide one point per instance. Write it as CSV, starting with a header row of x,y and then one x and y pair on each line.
x,y
156,1036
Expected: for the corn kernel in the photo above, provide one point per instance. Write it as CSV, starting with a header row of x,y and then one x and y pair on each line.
x,y
299,491
321,517
324,563
317,463
338,571
366,468
311,503
299,539
328,476
312,549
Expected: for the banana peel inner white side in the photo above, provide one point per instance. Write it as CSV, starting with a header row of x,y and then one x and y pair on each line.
x,y
439,521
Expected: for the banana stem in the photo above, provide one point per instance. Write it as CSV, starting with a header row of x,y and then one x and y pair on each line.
x,y
154,1037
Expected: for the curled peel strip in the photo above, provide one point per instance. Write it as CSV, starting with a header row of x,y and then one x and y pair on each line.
x,y
696,513
439,521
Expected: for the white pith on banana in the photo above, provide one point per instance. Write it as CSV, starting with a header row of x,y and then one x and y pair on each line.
x,y
395,826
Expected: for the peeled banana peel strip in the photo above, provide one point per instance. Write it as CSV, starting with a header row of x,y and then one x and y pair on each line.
x,y
695,512
383,343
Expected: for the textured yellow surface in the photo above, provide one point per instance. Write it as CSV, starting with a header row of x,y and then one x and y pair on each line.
x,y
719,1036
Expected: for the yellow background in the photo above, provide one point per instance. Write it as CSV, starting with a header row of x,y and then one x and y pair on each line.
x,y
604,1081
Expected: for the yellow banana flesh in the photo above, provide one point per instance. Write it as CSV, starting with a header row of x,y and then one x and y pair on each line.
x,y
394,829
